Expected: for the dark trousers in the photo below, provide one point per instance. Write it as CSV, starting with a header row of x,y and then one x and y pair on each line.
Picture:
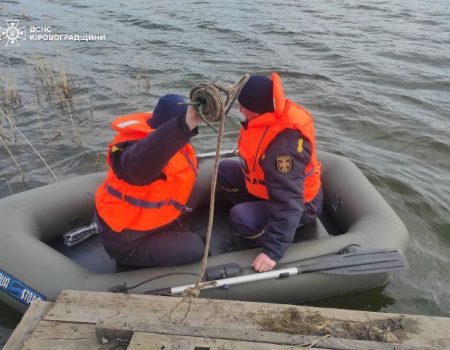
x,y
169,246
250,215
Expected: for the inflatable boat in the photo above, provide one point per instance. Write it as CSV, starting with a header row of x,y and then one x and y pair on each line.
x,y
353,246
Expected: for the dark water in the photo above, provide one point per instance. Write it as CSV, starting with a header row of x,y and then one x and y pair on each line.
x,y
375,74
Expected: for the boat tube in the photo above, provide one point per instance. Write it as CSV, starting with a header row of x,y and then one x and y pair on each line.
x,y
35,264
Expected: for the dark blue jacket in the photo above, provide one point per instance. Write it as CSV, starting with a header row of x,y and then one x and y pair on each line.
x,y
285,191
141,162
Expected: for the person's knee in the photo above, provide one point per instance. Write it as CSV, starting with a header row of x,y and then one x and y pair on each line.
x,y
197,247
312,209
234,217
228,172
249,218
239,222
188,250
171,248
222,173
222,167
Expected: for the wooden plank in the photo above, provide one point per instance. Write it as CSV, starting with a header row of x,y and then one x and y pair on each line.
x,y
293,340
35,313
140,312
104,331
152,341
68,336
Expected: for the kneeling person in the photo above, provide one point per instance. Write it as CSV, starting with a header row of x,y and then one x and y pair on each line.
x,y
276,186
152,170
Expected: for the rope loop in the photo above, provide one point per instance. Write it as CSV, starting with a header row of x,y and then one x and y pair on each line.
x,y
213,101
208,101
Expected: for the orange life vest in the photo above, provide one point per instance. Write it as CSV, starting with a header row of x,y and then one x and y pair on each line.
x,y
142,208
262,130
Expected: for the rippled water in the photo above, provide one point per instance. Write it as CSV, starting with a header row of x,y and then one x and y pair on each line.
x,y
375,74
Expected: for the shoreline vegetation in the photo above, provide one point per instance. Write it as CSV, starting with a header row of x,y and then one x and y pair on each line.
x,y
52,85
48,86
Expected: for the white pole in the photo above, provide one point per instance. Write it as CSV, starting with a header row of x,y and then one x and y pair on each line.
x,y
240,279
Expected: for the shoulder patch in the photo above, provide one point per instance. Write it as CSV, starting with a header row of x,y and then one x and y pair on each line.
x,y
284,164
300,145
114,148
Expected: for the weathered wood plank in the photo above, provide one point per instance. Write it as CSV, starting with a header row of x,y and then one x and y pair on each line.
x,y
152,341
146,312
67,336
114,329
33,316
104,331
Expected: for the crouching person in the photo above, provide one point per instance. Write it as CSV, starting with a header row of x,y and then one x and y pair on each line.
x,y
276,186
152,170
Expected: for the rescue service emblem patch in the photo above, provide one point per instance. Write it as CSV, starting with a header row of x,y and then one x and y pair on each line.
x,y
284,164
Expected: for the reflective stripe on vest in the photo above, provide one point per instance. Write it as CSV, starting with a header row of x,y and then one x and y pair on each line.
x,y
141,203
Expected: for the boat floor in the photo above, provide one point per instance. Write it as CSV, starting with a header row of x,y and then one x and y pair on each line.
x,y
91,255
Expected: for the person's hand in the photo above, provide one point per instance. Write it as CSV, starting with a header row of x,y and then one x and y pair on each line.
x,y
192,118
263,263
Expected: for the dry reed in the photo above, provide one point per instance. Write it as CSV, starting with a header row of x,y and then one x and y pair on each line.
x,y
144,76
9,93
53,84
50,86
313,323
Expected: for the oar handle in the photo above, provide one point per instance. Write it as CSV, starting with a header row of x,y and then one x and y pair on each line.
x,y
232,281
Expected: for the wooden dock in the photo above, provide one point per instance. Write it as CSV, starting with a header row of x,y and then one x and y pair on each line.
x,y
94,320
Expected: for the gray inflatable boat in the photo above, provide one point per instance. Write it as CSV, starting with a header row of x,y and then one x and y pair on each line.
x,y
352,246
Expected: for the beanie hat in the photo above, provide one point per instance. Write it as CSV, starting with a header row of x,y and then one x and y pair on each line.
x,y
168,107
257,94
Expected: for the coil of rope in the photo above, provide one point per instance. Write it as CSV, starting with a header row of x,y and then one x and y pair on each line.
x,y
213,102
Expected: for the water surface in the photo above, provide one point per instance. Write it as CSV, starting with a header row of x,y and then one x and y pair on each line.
x,y
375,74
